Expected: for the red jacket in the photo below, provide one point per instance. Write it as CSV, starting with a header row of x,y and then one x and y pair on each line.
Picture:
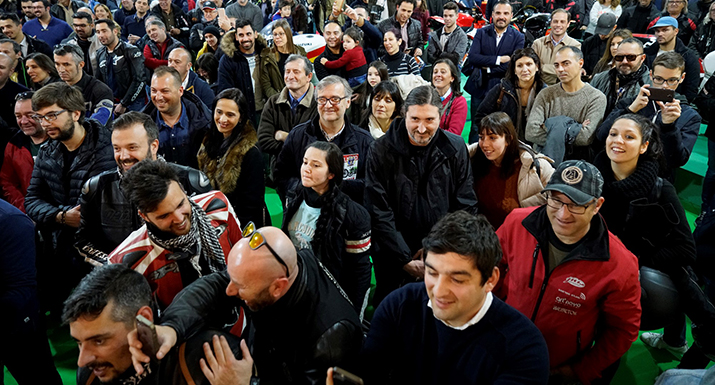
x,y
351,59
454,119
588,308
17,170
153,261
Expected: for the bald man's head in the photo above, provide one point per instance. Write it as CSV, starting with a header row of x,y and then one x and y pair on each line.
x,y
257,277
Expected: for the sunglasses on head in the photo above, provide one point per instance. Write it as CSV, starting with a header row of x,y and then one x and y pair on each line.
x,y
619,58
256,240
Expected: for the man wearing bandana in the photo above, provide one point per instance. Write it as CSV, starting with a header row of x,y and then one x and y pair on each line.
x,y
182,238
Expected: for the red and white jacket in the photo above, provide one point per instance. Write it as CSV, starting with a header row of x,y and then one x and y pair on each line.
x,y
588,307
152,260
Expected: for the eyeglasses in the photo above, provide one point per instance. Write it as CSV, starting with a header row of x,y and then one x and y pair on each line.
x,y
571,207
256,240
657,80
51,117
333,101
631,58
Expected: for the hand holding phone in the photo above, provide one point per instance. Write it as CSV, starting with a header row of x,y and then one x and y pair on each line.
x,y
146,332
661,94
343,377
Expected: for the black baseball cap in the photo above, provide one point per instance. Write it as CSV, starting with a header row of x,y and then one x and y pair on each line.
x,y
208,4
579,180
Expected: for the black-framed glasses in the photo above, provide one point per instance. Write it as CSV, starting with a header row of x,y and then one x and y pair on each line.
x,y
333,100
657,80
51,117
571,207
256,240
631,58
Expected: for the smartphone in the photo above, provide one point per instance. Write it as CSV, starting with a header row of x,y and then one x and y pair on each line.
x,y
661,94
339,4
146,332
343,377
222,12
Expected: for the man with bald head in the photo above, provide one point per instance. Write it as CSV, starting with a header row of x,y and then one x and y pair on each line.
x,y
303,321
180,60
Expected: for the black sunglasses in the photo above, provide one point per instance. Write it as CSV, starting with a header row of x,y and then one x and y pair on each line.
x,y
631,58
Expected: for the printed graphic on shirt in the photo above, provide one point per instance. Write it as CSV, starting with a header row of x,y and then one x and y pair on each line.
x,y
350,166
301,227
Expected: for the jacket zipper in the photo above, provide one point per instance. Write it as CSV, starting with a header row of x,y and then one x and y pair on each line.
x,y
533,266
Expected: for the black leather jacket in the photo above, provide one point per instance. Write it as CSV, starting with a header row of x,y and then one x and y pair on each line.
x,y
312,327
107,216
129,71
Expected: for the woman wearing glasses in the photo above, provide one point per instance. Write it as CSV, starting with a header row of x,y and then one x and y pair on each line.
x,y
322,218
508,174
644,211
41,70
232,161
273,59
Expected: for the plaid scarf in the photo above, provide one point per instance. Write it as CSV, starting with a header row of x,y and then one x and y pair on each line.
x,y
201,230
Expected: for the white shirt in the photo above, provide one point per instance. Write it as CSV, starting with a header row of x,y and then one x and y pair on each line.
x,y
477,317
24,45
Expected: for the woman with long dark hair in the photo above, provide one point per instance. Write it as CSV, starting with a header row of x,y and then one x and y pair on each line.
x,y
644,212
515,94
207,69
376,72
320,217
446,79
606,62
508,174
273,58
385,105
398,62
41,70
232,161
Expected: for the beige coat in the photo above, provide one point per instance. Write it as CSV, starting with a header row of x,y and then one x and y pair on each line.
x,y
547,53
530,183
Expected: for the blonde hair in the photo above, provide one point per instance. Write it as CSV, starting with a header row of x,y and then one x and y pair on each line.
x,y
614,3
105,8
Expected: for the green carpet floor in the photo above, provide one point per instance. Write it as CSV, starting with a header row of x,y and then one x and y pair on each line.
x,y
639,366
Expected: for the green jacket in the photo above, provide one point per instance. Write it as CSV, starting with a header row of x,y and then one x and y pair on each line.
x,y
271,77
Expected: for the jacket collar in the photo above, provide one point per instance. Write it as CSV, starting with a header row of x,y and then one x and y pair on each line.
x,y
313,129
283,97
595,246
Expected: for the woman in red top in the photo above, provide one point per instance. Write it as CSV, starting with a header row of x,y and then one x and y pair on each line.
x,y
353,60
446,79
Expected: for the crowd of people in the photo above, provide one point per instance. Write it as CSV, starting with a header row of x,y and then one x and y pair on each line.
x,y
139,139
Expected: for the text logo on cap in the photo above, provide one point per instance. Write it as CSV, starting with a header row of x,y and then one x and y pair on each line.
x,y
572,175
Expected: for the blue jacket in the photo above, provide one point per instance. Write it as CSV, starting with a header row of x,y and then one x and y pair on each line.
x,y
200,88
56,31
483,54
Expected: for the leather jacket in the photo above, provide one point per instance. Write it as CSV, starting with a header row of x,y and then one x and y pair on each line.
x,y
107,216
129,72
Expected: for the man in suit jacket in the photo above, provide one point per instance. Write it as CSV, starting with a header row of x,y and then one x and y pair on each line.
x,y
491,52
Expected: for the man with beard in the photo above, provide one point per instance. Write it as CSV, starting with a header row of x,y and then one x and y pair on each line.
x,y
84,37
240,65
490,53
303,324
333,51
547,46
79,150
102,312
666,33
121,67
44,26
27,10
20,152
626,78
182,238
107,216
98,97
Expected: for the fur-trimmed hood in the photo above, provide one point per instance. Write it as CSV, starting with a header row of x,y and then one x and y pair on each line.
x,y
223,172
229,45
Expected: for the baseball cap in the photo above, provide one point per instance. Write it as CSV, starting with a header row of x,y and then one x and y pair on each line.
x,y
666,21
605,24
208,4
579,180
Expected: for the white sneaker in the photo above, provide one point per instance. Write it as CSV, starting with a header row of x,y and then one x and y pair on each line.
x,y
655,340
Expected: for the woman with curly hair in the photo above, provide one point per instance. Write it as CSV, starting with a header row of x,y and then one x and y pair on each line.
x,y
320,217
232,161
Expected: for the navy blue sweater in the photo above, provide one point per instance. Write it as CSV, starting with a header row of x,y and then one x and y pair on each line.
x,y
408,345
